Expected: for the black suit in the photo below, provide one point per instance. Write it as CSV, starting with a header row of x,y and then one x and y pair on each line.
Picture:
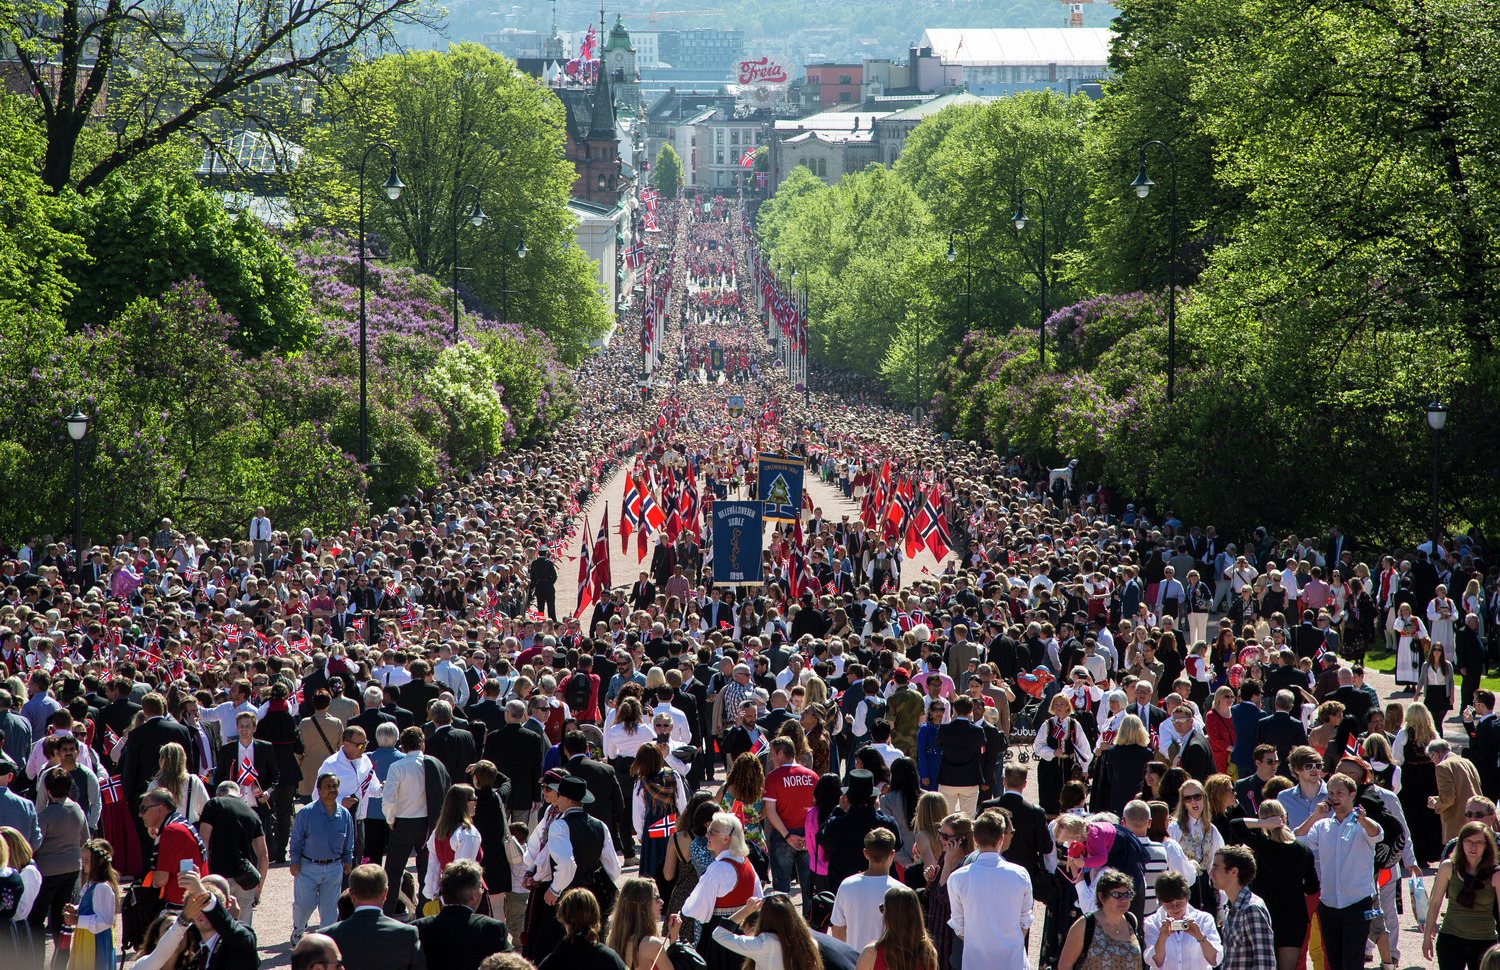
x,y
1247,795
1032,839
369,719
457,938
485,716
264,755
117,715
962,742
416,695
236,947
518,754
774,719
1484,749
455,748
311,684
1284,731
1153,715
141,760
404,718
370,939
1197,757
196,752
604,785
642,596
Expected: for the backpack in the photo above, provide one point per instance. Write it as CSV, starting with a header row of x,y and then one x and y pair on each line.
x,y
1088,931
578,693
1392,833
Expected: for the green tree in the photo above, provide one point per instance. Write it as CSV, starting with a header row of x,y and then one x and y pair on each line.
x,y
460,117
145,237
34,243
667,177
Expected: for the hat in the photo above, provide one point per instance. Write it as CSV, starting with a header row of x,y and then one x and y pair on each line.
x,y
573,789
861,785
552,775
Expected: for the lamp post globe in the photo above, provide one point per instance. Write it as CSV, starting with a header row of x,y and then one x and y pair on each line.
x,y
78,429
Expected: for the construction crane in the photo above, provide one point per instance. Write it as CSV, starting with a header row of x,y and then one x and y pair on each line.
x,y
1075,11
656,15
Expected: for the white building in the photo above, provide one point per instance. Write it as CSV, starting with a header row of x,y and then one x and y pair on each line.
x,y
990,61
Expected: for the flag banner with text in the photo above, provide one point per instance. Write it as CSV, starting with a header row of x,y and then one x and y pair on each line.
x,y
781,487
736,543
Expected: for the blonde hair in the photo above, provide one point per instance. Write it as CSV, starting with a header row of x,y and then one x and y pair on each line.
x,y
174,775
932,808
1418,724
1271,807
17,849
816,691
1132,731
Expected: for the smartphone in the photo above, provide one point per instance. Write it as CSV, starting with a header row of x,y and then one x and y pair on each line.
x,y
186,865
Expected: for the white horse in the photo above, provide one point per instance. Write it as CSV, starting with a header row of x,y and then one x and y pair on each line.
x,y
1066,475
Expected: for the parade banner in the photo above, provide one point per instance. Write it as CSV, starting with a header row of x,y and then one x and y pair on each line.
x,y
781,487
716,359
736,543
736,405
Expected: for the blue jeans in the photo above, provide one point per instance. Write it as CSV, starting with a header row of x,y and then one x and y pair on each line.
x,y
783,858
316,887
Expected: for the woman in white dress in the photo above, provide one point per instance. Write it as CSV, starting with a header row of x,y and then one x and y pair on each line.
x,y
1440,613
1409,634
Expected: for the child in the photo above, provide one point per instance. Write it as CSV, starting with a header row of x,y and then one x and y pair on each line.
x,y
519,896
93,919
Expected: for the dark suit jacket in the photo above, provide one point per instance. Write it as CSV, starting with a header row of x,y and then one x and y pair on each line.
x,y
1484,750
603,784
1154,715
518,754
485,716
371,718
438,783
455,748
373,940
266,773
141,760
1197,757
1032,839
215,742
963,754
457,938
404,718
642,595
774,719
236,947
117,715
1284,731
416,695
311,684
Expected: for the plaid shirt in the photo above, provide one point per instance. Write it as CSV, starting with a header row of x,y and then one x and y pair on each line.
x,y
734,693
1248,942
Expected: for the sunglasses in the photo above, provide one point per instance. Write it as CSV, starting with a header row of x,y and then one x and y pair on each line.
x,y
1478,814
1193,798
1122,894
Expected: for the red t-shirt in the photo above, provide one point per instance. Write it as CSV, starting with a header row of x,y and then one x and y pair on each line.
x,y
176,843
792,787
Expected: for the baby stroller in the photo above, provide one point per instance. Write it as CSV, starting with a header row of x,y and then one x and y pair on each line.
x,y
1024,722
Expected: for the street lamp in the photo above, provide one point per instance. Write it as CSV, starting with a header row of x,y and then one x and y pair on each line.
x,y
476,219
78,429
1019,220
521,252
392,188
1437,420
952,256
1143,186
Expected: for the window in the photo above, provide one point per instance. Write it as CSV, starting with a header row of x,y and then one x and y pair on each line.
x,y
720,133
822,167
843,95
734,137
719,160
845,79
720,179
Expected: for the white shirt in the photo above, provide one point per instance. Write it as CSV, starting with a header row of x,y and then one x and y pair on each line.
x,y
405,791
889,752
260,529
465,845
682,731
638,804
451,675
856,907
620,743
1181,951
352,775
560,850
717,880
992,903
764,949
392,676
225,714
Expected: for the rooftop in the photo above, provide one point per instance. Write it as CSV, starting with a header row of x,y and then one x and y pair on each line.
x,y
1006,47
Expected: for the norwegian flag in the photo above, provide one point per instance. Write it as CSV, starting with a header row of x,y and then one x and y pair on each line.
x,y
662,827
1322,652
585,572
1351,749
938,541
640,543
629,513
635,256
245,774
748,159
601,578
652,516
111,791
760,745
110,738
364,784
917,527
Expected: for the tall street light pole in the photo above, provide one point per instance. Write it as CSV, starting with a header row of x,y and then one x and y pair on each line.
x,y
78,429
1437,420
476,218
392,187
952,255
1142,186
1019,220
799,329
521,252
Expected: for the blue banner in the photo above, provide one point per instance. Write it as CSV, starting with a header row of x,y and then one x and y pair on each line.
x,y
736,543
736,405
781,487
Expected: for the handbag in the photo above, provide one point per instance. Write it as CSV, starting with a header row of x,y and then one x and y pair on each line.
x,y
1418,898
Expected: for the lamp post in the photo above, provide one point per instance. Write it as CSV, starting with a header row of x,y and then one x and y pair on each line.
x,y
1143,186
521,252
476,219
78,429
1437,420
799,328
952,255
1019,220
392,187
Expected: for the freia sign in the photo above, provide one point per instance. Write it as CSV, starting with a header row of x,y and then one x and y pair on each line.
x,y
763,71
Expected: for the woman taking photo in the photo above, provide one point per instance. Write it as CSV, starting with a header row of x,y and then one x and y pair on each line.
x,y
782,940
1125,763
634,924
1116,941
1467,882
724,891
580,949
904,944
956,838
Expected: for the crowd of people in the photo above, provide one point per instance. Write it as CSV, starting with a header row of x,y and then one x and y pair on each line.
x,y
1107,740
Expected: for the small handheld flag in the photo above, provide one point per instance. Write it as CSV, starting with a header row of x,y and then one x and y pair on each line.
x,y
662,827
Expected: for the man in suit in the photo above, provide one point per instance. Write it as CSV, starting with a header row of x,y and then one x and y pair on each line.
x,y
453,746
1150,715
1457,782
518,754
487,710
1484,742
1248,790
416,695
392,706
601,780
1031,840
1195,756
1282,730
316,680
1334,549
233,942
141,760
457,938
778,714
372,716
207,738
263,773
643,593
369,938
1469,659
961,770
